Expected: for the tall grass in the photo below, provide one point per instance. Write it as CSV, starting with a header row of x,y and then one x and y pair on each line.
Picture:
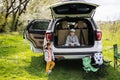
x,y
110,37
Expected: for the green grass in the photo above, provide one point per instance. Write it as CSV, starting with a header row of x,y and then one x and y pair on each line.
x,y
18,62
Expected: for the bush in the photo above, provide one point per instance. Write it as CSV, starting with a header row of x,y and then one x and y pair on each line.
x,y
21,26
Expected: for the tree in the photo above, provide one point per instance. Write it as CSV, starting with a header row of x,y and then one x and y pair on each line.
x,y
39,9
12,11
17,11
14,8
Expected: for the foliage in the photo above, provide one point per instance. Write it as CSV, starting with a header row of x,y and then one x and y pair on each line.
x,y
22,11
35,11
12,8
21,26
2,19
41,11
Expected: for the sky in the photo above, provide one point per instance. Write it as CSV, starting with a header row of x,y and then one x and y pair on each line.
x,y
109,10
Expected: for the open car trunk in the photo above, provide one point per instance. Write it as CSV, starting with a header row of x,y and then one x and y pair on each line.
x,y
83,30
73,9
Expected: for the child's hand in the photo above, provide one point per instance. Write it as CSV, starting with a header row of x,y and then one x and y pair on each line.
x,y
53,59
72,44
47,61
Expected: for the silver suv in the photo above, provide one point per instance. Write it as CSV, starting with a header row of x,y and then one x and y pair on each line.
x,y
65,16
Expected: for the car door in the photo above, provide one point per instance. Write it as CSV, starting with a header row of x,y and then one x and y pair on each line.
x,y
35,33
73,9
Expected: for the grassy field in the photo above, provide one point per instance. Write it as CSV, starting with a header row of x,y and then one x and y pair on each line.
x,y
18,62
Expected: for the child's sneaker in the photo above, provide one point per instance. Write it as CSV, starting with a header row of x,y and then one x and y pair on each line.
x,y
49,72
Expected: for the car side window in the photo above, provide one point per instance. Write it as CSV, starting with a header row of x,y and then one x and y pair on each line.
x,y
38,26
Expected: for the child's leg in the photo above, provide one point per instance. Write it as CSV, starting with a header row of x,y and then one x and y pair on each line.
x,y
48,66
52,64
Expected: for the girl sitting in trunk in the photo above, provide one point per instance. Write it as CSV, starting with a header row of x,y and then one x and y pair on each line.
x,y
72,39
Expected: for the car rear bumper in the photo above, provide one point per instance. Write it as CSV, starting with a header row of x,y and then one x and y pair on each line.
x,y
75,55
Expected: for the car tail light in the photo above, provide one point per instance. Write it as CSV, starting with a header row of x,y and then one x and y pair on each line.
x,y
48,36
98,35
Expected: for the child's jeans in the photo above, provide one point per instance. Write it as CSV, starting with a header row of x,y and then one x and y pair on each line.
x,y
50,65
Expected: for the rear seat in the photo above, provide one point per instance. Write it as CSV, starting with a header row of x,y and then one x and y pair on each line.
x,y
82,34
62,35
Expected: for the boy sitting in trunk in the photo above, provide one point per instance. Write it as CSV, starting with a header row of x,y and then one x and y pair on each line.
x,y
49,58
72,39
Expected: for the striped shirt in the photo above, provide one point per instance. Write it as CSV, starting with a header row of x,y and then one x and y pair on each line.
x,y
49,56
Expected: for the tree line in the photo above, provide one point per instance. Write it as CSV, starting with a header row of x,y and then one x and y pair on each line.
x,y
13,11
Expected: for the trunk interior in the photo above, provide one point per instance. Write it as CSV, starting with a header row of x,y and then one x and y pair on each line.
x,y
83,30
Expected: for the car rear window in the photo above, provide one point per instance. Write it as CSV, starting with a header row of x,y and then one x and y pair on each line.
x,y
73,9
